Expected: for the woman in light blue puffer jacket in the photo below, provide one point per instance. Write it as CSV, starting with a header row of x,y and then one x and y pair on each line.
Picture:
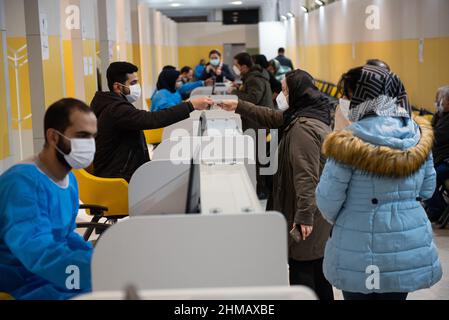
x,y
378,171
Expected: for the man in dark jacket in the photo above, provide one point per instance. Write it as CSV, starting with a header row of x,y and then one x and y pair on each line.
x,y
120,142
436,205
283,60
257,90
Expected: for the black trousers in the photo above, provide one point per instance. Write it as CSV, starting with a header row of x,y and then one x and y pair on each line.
x,y
310,274
375,296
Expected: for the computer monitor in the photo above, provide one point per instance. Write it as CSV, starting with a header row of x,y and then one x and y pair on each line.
x,y
193,205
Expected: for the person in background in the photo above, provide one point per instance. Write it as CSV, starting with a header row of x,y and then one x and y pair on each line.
x,y
199,69
255,89
216,69
303,126
440,123
277,69
121,145
283,60
276,86
378,63
171,90
377,172
186,74
39,202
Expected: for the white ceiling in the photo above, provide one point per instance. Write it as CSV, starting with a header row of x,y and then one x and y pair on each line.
x,y
203,4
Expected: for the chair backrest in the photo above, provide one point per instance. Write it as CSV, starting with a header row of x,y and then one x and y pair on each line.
x,y
192,251
154,136
106,192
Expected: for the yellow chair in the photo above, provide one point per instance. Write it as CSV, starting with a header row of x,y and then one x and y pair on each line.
x,y
153,136
102,198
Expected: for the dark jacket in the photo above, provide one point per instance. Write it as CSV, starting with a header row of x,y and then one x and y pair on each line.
x,y
257,90
120,141
440,124
284,61
225,73
300,164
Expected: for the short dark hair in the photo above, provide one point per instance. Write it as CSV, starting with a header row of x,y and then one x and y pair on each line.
x,y
244,59
58,114
261,60
378,63
281,50
185,69
215,52
118,72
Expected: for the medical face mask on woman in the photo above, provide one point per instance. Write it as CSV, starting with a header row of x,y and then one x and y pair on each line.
x,y
215,62
236,70
134,92
439,106
344,107
82,152
282,101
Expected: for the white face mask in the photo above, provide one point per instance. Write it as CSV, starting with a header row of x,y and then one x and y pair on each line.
x,y
215,62
179,84
439,107
236,70
82,152
134,92
282,101
344,107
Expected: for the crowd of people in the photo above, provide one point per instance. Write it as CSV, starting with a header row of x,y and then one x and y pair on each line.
x,y
354,199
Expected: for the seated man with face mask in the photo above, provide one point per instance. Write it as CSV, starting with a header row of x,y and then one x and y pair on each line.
x,y
121,145
41,255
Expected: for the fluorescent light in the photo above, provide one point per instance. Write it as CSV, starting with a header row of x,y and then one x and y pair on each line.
x,y
319,2
283,17
304,9
290,15
175,4
237,3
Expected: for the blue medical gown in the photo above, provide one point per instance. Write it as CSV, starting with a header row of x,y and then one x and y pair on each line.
x,y
164,99
38,244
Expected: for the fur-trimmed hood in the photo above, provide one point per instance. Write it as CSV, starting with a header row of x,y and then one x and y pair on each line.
x,y
381,158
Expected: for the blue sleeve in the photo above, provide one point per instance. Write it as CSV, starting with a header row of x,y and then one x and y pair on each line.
x,y
189,87
331,190
165,101
28,234
430,178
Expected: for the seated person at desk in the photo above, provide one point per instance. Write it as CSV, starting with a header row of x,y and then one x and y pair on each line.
x,y
200,68
186,74
39,248
216,69
171,91
121,144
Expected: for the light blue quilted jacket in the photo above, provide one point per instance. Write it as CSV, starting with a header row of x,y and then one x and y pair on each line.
x,y
377,172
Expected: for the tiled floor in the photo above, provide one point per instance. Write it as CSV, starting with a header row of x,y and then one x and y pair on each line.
x,y
441,290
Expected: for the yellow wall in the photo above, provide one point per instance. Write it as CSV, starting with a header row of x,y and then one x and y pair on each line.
x,y
329,62
68,68
191,55
4,132
53,76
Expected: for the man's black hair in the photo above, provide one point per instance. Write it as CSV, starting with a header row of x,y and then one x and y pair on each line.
x,y
118,72
168,67
186,69
281,51
215,52
244,59
58,114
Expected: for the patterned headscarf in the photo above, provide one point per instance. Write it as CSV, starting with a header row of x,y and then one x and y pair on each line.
x,y
379,92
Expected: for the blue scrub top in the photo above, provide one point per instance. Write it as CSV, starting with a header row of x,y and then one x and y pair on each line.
x,y
39,249
164,99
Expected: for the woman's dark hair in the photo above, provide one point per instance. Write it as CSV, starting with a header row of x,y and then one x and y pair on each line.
x,y
214,52
261,60
244,59
167,80
348,82
118,72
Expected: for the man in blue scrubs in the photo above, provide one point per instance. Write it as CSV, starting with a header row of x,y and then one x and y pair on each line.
x,y
41,255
